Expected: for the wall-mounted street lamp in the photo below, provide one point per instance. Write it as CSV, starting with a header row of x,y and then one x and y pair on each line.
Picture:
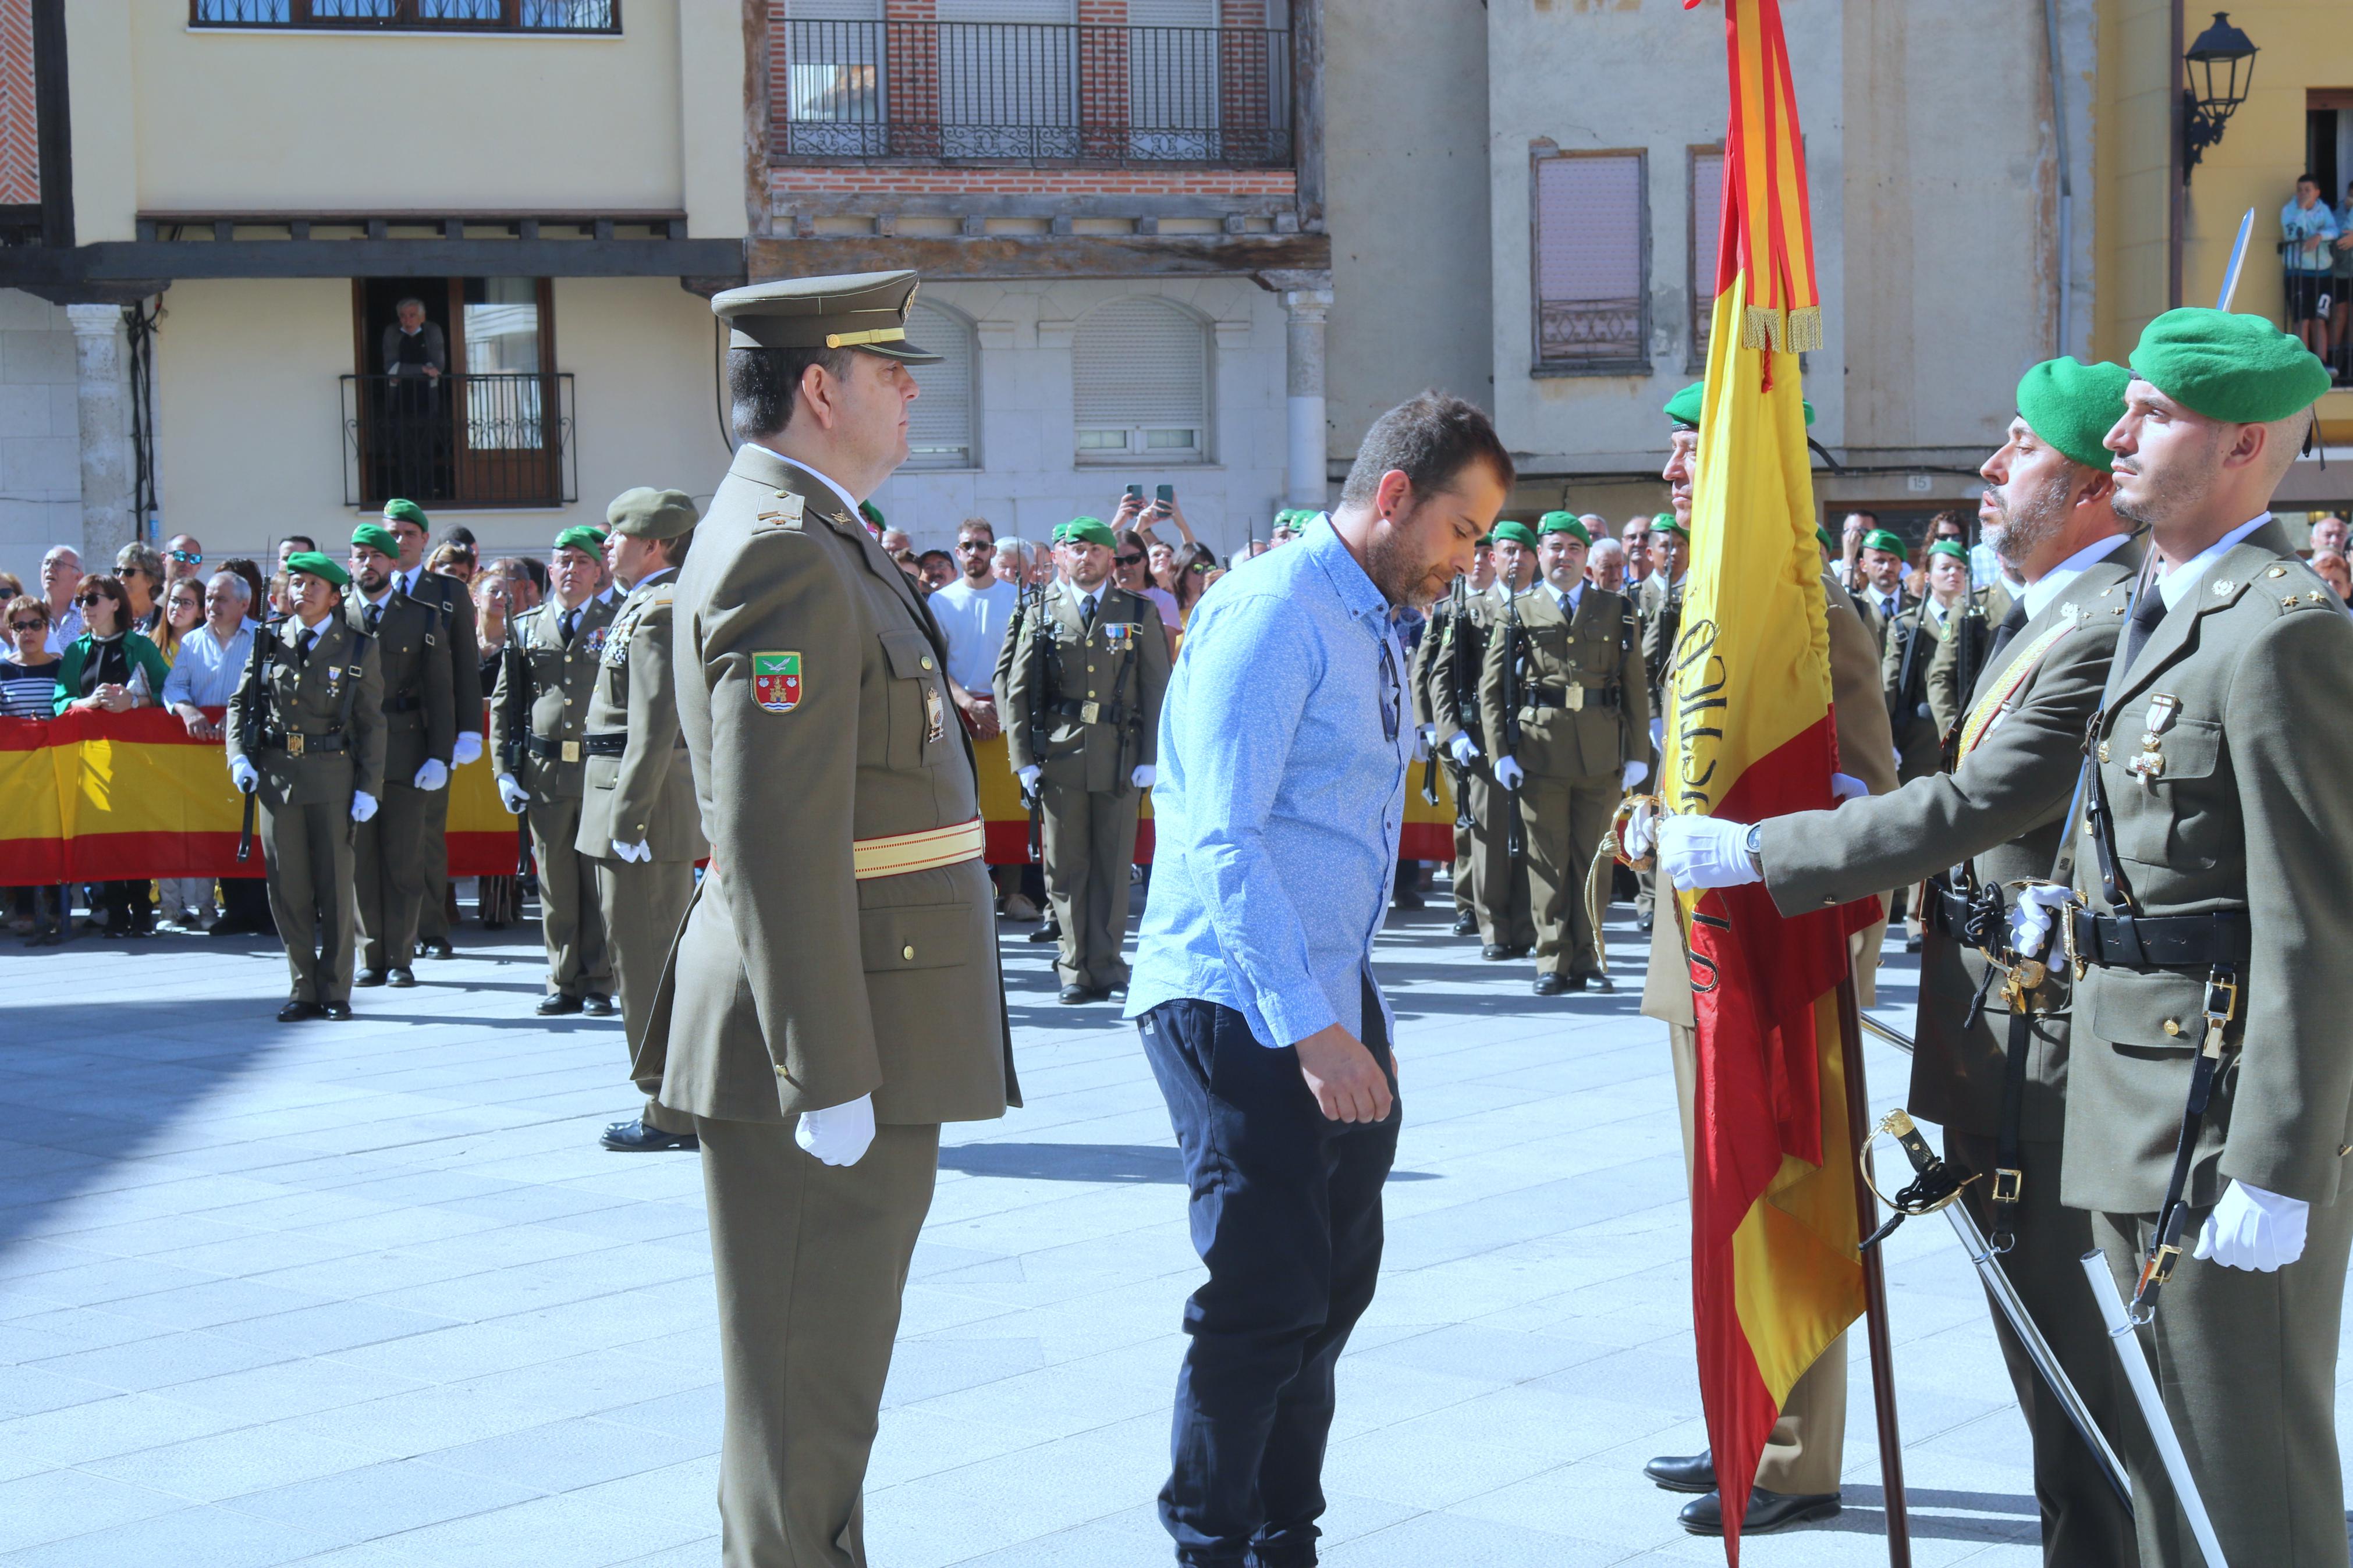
x,y
2221,65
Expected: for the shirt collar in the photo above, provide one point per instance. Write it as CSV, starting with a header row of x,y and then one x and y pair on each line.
x,y
2037,595
651,578
1358,596
848,505
1569,599
2176,584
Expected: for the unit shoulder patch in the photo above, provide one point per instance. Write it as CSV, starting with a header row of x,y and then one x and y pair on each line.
x,y
776,681
786,513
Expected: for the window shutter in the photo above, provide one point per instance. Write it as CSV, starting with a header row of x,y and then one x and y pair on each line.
x,y
1591,308
834,10
940,420
1140,371
1062,12
1706,230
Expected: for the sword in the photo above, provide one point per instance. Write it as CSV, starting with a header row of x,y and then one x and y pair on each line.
x,y
2152,1404
2237,261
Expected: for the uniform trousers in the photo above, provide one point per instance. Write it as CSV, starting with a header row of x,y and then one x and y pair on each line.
x,y
388,869
644,902
571,917
433,850
2085,1523
1285,1209
309,878
1464,903
1499,885
810,1260
1565,819
2247,1365
1089,839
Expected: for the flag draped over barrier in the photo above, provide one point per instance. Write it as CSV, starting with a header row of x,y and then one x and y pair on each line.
x,y
1776,1271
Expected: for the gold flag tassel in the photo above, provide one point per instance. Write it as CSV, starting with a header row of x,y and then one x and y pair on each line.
x,y
1606,855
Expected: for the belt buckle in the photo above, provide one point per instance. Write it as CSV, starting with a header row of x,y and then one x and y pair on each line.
x,y
2007,1185
293,743
571,751
1090,712
2222,1005
1576,700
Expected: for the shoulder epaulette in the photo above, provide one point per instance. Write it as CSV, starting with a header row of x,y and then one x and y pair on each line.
x,y
786,512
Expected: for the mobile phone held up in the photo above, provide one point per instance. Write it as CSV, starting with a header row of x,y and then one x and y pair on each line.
x,y
1164,499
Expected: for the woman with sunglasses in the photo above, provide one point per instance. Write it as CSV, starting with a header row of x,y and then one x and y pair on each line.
x,y
112,667
29,684
139,568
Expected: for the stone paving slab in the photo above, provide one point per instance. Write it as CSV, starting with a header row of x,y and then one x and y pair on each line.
x,y
370,1296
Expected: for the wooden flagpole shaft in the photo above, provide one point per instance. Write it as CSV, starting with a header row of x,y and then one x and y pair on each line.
x,y
1875,1286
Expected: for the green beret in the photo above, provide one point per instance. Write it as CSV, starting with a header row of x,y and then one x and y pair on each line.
x,y
1287,518
2239,368
871,513
1665,523
1829,541
1684,408
377,537
582,537
1563,523
405,512
2073,407
1952,547
1513,534
1086,531
1484,542
649,513
311,563
1883,538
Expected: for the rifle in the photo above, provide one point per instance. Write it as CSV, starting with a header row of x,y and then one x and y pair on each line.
x,y
1972,631
518,672
1041,632
1430,763
1901,699
1461,633
255,723
1516,839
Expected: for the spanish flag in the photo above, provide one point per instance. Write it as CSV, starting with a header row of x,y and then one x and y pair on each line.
x,y
1776,1269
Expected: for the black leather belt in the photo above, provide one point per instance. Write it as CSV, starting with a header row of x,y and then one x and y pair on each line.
x,y
2164,941
608,745
295,744
1539,697
406,702
558,750
1090,712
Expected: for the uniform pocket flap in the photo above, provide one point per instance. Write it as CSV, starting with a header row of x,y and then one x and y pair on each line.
x,y
915,936
2133,1008
2191,748
909,653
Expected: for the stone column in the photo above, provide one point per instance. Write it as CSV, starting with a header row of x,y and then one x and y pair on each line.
x,y
104,402
1304,311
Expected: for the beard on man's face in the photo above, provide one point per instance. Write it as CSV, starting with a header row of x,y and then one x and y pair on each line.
x,y
2029,522
1398,561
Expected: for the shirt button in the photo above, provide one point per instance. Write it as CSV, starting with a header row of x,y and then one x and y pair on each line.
x,y
908,953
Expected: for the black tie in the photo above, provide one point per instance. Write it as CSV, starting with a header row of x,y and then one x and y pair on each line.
x,y
307,639
565,627
1087,611
2003,634
2145,616
374,614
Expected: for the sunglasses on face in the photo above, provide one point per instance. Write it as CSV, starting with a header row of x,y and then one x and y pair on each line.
x,y
971,544
1129,560
87,600
188,557
28,625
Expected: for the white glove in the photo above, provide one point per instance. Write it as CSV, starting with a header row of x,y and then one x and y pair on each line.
x,y
1642,832
1028,777
363,805
640,850
1658,734
469,747
1422,742
241,773
1465,750
1635,774
431,774
512,794
1846,786
1705,852
839,1134
1508,772
2031,917
1143,776
2250,1228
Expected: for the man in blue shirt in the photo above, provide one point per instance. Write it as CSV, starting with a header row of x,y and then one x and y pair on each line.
x,y
1283,744
2307,251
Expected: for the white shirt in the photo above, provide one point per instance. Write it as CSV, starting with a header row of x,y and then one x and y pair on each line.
x,y
973,621
2037,595
2176,583
848,505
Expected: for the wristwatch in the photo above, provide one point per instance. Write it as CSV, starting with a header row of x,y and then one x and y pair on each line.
x,y
1753,843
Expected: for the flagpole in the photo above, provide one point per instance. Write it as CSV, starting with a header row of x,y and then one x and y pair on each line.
x,y
1875,1284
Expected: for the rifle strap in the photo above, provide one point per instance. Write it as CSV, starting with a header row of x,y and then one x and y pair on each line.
x,y
2010,1173
352,679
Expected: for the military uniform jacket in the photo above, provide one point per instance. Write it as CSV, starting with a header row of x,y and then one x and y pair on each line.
x,y
1121,666
555,681
645,795
1917,735
1583,707
2249,808
306,697
1964,631
1454,703
2001,809
418,719
1875,621
1661,610
454,604
811,693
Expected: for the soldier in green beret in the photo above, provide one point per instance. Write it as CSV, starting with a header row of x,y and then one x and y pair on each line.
x,y
539,715
454,634
1885,559
1439,726
1913,638
1499,882
419,728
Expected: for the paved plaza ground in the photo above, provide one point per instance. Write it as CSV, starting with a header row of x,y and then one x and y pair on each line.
x,y
370,1295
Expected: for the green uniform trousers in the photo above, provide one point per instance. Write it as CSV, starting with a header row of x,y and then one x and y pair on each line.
x,y
1499,885
2247,1363
811,1260
1465,902
433,851
309,849
644,903
571,915
389,870
2085,1524
1089,839
1564,819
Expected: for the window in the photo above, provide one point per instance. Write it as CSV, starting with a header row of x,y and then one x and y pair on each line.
x,y
1592,242
940,421
455,16
1705,228
1140,371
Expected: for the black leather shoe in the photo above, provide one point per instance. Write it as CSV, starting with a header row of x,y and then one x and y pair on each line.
x,y
1495,953
1911,945
1406,898
335,1011
439,949
1465,925
296,1010
1683,1472
1550,985
232,927
597,1004
1519,949
1767,1512
399,979
558,1004
1579,982
634,1137
368,977
1642,924
1072,995
1050,931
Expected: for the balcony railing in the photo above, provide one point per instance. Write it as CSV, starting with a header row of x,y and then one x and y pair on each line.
x,y
1034,94
421,16
465,440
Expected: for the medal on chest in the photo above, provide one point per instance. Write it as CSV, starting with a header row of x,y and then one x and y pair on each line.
x,y
935,722
2149,767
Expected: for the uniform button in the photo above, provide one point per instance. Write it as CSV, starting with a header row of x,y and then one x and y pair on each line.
x,y
2173,1026
927,661
1091,669
908,953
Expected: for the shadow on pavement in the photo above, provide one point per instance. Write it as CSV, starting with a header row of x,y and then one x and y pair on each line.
x,y
1129,1163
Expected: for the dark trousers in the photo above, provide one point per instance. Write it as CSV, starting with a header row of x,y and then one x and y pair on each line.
x,y
1286,1212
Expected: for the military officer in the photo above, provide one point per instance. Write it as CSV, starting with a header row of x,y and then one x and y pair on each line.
x,y
2209,929
639,826
834,994
1798,1477
1994,1076
305,732
539,711
1437,642
1565,706
418,731
1499,881
1884,597
1919,735
1659,609
460,649
1082,719
1987,615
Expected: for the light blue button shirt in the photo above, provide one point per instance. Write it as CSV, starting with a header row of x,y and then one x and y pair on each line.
x,y
203,672
1280,796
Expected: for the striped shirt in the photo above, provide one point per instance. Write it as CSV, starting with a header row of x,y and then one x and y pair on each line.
x,y
28,692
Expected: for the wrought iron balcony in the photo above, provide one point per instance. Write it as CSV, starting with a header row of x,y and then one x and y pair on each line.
x,y
502,440
1030,93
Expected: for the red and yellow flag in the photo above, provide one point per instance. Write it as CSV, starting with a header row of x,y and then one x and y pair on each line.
x,y
1776,1270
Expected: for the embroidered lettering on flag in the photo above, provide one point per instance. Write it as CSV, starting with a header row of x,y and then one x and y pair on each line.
x,y
776,681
